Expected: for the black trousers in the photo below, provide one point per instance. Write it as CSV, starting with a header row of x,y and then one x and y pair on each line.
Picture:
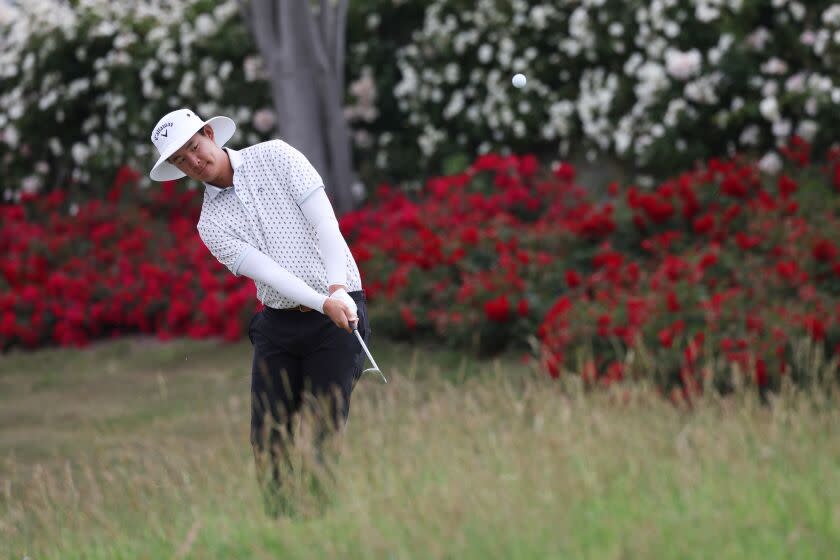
x,y
300,358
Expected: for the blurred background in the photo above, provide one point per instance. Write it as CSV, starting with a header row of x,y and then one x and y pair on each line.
x,y
656,207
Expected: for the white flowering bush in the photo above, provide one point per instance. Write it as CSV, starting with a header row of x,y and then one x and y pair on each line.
x,y
660,84
82,85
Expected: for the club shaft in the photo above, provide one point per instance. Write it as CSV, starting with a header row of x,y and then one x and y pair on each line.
x,y
365,348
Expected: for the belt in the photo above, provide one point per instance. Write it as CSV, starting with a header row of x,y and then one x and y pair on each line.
x,y
304,309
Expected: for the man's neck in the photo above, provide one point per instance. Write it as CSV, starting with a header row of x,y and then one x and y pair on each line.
x,y
227,178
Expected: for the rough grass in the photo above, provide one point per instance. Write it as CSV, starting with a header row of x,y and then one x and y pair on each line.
x,y
140,450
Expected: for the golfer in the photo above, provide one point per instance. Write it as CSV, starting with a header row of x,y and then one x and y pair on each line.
x,y
265,215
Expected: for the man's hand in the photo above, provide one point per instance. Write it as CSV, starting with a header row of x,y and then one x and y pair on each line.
x,y
341,294
340,313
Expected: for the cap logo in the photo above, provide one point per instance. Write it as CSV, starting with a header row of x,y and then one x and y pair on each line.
x,y
159,131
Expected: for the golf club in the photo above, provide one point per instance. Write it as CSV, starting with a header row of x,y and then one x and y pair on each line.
x,y
365,348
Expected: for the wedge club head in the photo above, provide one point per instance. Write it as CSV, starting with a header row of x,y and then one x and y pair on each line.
x,y
375,367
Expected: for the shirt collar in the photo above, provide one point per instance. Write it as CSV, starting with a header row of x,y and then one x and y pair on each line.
x,y
235,161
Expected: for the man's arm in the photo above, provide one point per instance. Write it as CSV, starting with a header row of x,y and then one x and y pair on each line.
x,y
319,213
243,259
259,266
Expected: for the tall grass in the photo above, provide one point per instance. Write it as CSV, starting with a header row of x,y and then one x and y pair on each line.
x,y
502,465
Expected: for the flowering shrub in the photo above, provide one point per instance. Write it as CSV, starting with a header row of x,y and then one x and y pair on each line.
x,y
130,263
82,86
721,257
660,84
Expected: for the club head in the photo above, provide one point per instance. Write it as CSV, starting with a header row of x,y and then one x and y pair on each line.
x,y
367,352
377,370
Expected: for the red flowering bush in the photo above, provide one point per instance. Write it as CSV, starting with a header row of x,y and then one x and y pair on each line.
x,y
132,263
719,261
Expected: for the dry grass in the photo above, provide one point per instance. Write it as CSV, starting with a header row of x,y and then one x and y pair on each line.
x,y
148,458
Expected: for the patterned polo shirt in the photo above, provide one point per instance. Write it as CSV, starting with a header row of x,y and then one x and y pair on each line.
x,y
262,210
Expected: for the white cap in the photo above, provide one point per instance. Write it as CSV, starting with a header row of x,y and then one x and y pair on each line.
x,y
174,130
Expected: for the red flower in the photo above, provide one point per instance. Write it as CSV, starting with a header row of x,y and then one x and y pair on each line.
x,y
734,187
604,322
673,302
657,209
497,309
666,337
408,317
703,224
815,327
824,250
787,186
747,242
760,372
573,279
522,308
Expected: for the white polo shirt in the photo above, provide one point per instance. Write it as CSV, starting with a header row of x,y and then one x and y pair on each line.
x,y
262,210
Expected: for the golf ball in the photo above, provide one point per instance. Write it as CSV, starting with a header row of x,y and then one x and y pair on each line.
x,y
519,81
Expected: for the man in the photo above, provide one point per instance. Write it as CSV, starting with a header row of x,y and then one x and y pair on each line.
x,y
265,215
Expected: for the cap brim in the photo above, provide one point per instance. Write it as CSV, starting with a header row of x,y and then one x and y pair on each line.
x,y
223,130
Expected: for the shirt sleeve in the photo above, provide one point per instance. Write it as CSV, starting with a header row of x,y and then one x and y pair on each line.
x,y
297,174
226,247
262,268
320,214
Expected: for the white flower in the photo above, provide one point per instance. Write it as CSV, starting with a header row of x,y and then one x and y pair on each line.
x,y
264,120
225,69
204,25
808,37
771,163
796,83
770,89
30,184
451,73
11,136
214,87
706,13
758,38
750,136
832,15
682,65
774,66
782,128
253,67
769,109
372,21
539,16
357,189
16,111
55,146
80,153
807,129
455,105
485,53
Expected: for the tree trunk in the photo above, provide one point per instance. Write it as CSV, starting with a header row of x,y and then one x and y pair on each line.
x,y
304,59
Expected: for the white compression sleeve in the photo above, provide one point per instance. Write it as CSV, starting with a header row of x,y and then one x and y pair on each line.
x,y
259,266
319,213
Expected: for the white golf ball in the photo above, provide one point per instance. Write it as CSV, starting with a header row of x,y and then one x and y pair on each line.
x,y
519,81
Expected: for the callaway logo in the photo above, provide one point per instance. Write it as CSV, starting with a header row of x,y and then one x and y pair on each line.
x,y
161,131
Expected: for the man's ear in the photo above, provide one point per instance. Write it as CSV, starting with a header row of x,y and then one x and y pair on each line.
x,y
208,132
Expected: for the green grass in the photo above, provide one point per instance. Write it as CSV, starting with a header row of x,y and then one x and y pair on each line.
x,y
137,449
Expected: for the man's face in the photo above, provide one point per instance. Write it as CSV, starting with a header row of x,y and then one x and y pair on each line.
x,y
200,158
